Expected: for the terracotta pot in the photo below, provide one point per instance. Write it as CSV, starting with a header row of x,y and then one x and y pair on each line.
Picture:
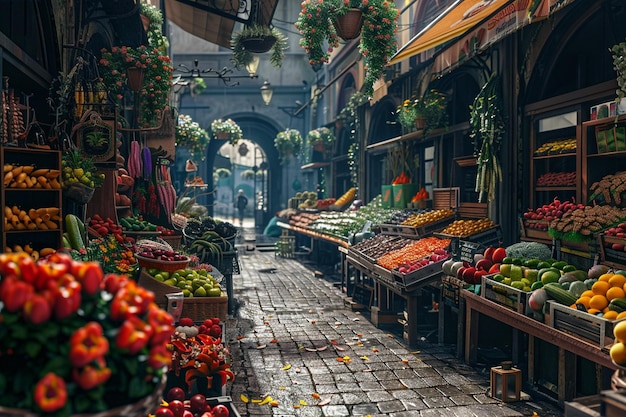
x,y
420,122
349,25
319,146
145,21
135,78
222,135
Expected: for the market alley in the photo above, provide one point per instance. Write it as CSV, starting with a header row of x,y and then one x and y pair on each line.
x,y
296,347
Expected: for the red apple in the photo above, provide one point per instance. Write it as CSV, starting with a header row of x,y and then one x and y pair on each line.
x,y
495,268
468,275
484,264
498,255
488,254
175,393
220,410
478,276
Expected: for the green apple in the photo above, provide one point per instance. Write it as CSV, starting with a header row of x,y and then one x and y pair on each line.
x,y
159,277
215,292
200,292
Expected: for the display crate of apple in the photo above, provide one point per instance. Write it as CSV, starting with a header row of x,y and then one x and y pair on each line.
x,y
414,273
612,246
451,288
369,250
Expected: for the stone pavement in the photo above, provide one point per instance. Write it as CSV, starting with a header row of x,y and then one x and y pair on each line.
x,y
291,338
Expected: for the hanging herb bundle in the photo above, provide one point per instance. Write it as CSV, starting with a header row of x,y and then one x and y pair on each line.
x,y
486,132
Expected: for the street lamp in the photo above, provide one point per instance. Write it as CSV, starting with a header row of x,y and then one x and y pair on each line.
x,y
253,66
266,92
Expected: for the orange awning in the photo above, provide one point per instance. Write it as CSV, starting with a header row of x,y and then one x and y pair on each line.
x,y
458,19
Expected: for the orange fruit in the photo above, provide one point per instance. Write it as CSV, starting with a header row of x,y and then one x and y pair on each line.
x,y
600,287
593,311
598,302
617,280
619,331
621,315
587,293
618,353
615,292
605,277
584,300
610,315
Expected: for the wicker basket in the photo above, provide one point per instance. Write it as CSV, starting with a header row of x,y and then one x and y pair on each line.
x,y
200,308
167,266
172,240
159,288
141,408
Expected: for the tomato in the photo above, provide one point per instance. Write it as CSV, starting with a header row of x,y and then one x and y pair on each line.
x,y
175,393
177,407
197,403
220,410
164,412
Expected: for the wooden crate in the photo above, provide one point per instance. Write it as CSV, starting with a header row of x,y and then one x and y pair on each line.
x,y
419,276
611,257
536,235
451,288
505,295
202,308
583,407
445,198
400,230
472,210
594,329
613,403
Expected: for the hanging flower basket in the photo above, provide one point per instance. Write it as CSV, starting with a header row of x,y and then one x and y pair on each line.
x,y
222,135
259,44
348,26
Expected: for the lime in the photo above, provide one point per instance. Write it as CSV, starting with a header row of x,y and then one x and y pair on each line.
x,y
159,277
171,282
200,292
215,292
187,293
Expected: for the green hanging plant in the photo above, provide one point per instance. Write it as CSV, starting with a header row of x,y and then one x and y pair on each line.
x,y
486,131
288,143
242,56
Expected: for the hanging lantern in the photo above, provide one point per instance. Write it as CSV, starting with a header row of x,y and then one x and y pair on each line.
x,y
243,149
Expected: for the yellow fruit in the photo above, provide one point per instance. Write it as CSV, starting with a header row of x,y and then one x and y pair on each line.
x,y
619,331
615,292
621,315
610,315
593,311
584,300
600,287
598,302
618,353
587,293
605,277
617,280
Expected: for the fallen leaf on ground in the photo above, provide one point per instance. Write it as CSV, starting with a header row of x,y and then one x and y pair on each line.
x,y
324,402
274,341
244,399
315,395
365,358
340,349
261,346
334,342
286,367
322,348
308,349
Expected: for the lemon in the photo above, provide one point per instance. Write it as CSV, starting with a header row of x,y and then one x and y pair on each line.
x,y
619,331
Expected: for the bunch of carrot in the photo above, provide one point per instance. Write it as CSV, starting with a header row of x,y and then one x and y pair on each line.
x,y
422,194
401,179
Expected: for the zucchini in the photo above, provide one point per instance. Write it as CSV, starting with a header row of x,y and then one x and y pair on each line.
x,y
73,232
618,304
560,295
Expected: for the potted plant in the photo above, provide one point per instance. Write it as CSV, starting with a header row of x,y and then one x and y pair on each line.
x,y
321,139
101,349
425,113
152,19
190,135
226,129
156,70
247,174
378,42
222,173
258,39
288,142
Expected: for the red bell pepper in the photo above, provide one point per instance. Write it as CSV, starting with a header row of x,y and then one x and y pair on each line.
x,y
89,274
50,393
14,293
162,324
159,357
37,309
113,282
67,296
130,300
87,344
90,376
133,335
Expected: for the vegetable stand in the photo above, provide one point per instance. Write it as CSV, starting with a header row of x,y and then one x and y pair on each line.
x,y
529,335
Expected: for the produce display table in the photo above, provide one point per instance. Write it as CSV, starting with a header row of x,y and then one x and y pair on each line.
x,y
569,345
316,240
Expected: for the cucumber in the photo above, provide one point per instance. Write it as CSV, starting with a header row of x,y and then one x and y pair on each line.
x,y
560,295
73,232
618,304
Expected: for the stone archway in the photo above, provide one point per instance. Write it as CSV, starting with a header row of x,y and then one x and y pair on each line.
x,y
262,131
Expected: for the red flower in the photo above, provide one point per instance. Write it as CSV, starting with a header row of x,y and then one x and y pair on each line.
x,y
50,393
87,344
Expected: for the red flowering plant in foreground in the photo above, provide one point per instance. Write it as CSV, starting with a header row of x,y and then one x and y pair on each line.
x,y
199,355
76,340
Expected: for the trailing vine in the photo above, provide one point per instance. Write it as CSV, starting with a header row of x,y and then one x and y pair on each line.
x,y
486,132
349,115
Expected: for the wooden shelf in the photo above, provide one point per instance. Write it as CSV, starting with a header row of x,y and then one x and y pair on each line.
x,y
564,188
558,155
